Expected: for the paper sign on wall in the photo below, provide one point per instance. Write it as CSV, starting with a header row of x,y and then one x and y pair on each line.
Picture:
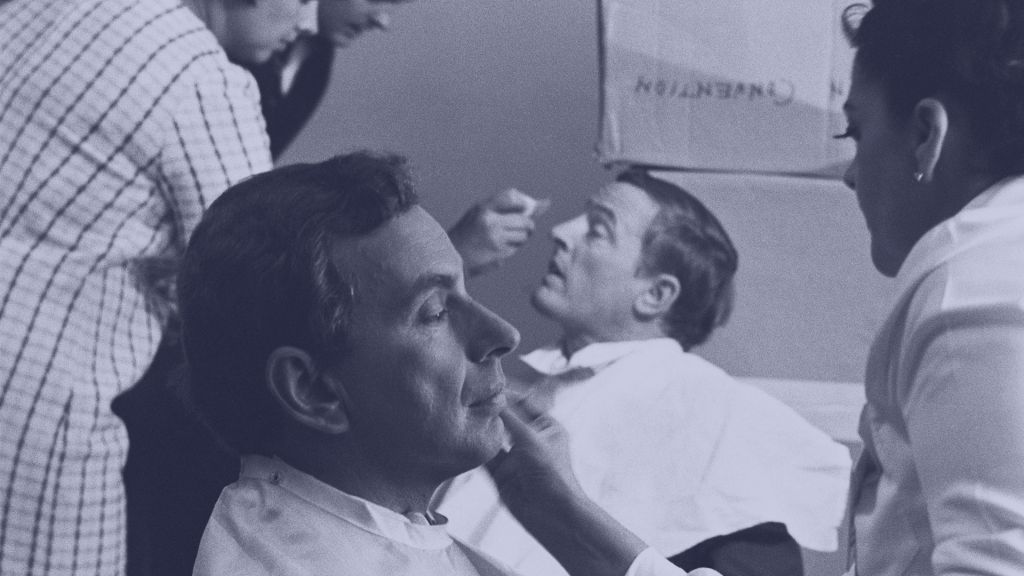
x,y
725,85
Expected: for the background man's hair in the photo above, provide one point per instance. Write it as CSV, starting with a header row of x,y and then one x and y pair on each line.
x,y
686,240
258,274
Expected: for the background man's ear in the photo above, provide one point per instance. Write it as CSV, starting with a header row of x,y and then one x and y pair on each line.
x,y
304,393
931,125
659,295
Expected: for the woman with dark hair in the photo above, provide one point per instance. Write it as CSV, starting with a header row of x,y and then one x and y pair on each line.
x,y
936,109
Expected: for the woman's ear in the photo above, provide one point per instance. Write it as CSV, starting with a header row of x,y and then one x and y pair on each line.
x,y
658,296
931,126
304,393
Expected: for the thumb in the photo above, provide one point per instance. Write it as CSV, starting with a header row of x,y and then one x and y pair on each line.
x,y
522,437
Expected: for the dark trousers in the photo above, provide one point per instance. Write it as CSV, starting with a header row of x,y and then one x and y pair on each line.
x,y
762,550
175,471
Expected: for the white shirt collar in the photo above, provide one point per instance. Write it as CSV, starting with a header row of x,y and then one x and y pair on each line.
x,y
595,357
352,509
973,225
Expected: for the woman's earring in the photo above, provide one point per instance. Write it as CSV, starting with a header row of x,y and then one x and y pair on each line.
x,y
918,176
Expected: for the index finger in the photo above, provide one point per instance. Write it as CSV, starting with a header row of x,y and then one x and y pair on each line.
x,y
527,408
517,427
519,432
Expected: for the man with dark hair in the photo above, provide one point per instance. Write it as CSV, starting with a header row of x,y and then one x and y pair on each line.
x,y
702,467
174,472
330,339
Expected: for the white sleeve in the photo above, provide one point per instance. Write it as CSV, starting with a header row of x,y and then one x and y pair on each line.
x,y
965,414
650,563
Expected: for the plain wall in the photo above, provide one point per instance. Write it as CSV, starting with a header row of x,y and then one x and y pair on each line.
x,y
490,94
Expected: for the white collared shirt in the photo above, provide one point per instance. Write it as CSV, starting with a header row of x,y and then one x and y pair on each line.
x,y
939,489
279,521
675,449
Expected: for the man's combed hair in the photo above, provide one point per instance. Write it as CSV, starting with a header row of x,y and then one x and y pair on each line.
x,y
969,50
258,275
688,242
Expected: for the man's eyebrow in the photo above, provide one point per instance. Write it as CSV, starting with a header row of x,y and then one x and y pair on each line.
x,y
434,280
601,209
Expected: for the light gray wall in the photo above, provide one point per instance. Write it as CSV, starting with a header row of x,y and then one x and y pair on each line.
x,y
494,93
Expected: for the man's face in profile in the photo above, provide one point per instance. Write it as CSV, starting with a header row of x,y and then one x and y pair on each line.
x,y
422,377
592,279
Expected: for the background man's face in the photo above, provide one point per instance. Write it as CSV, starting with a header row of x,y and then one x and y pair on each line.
x,y
592,281
422,374
253,32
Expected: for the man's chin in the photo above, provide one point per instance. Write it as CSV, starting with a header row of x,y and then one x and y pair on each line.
x,y
496,440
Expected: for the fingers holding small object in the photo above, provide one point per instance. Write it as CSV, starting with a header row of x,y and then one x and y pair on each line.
x,y
514,201
510,200
508,220
516,238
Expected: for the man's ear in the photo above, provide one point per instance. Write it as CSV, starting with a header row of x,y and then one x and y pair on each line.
x,y
931,126
304,393
658,296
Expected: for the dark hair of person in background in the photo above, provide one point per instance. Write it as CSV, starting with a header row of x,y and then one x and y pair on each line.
x,y
687,241
971,52
263,254
287,112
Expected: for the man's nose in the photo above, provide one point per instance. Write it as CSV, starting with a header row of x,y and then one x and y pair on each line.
x,y
489,336
564,233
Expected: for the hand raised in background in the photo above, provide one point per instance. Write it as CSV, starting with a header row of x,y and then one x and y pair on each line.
x,y
495,229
